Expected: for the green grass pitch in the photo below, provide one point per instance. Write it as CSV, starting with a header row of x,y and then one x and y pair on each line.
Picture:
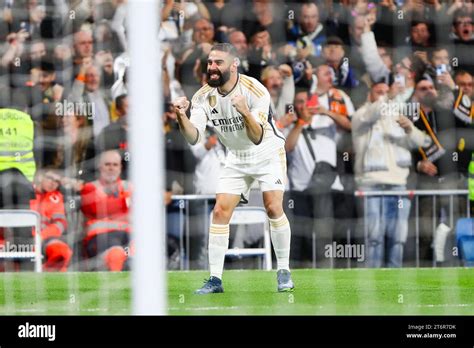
x,y
441,291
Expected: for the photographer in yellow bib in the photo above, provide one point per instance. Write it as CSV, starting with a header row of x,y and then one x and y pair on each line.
x,y
17,168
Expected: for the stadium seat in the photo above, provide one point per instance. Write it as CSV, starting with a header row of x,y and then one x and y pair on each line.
x,y
23,218
465,240
250,216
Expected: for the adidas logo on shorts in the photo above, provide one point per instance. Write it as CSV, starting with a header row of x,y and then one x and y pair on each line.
x,y
278,182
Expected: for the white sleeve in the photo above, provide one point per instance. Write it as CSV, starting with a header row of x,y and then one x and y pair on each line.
x,y
260,106
198,117
367,115
370,55
199,150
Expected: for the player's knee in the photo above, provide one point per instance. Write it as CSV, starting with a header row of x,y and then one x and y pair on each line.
x,y
274,210
221,215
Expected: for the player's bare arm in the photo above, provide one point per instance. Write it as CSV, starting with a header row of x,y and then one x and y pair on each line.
x,y
253,128
189,131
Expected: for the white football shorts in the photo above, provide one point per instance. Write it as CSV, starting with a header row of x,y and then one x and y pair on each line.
x,y
270,174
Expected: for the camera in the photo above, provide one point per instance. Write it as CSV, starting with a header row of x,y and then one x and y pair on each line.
x,y
400,79
441,69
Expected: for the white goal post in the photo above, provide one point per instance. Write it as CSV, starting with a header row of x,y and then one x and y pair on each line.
x,y
147,159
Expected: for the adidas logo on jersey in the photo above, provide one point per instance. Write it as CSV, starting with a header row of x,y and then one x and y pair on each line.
x,y
278,182
214,111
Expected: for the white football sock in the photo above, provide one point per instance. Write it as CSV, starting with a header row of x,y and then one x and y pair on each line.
x,y
218,245
281,236
439,243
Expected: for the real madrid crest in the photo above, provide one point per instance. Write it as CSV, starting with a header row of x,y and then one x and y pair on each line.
x,y
212,100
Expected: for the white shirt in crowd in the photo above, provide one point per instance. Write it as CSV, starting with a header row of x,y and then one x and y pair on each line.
x,y
326,136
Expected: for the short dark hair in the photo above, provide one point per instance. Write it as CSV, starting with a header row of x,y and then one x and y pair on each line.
x,y
225,47
418,20
461,72
438,49
460,13
119,101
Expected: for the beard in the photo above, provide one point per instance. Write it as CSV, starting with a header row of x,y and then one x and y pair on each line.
x,y
429,100
224,76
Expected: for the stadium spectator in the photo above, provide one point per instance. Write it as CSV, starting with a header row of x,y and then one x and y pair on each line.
x,y
343,74
114,136
75,153
86,92
353,59
49,203
17,169
404,79
106,204
106,39
46,95
464,80
266,16
52,91
312,156
27,16
17,163
224,14
439,67
178,18
190,72
105,62
382,139
435,163
463,40
308,35
377,60
14,75
419,36
83,48
261,53
280,84
239,41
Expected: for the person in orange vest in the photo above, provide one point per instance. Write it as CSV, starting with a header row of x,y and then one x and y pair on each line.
x,y
105,204
49,203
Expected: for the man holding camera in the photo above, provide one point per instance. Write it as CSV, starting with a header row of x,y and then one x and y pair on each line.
x,y
382,137
445,115
312,145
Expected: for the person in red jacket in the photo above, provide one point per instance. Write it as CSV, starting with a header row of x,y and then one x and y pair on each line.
x,y
105,204
49,203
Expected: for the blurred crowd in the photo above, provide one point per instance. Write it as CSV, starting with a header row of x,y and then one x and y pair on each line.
x,y
370,95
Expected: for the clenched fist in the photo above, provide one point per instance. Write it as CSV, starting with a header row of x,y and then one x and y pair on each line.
x,y
240,104
181,104
405,123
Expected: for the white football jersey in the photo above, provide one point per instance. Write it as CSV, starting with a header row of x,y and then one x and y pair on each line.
x,y
208,105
